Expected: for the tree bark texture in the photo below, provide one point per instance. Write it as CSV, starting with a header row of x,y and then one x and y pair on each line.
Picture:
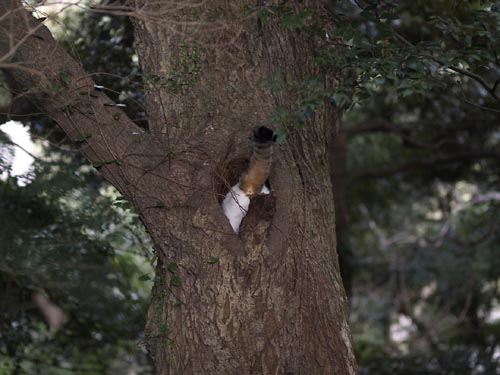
x,y
273,303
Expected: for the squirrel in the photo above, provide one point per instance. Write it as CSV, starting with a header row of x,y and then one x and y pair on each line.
x,y
253,180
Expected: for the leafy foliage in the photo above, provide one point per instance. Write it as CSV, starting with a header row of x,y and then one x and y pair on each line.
x,y
412,48
67,234
419,80
61,235
90,36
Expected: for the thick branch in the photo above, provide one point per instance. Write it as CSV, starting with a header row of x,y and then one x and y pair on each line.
x,y
60,87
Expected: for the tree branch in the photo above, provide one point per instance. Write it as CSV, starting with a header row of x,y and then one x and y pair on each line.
x,y
424,163
475,77
384,126
495,85
378,125
60,88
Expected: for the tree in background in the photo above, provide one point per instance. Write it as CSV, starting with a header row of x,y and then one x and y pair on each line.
x,y
416,172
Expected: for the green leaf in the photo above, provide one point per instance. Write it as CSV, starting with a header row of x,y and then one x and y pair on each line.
x,y
175,281
122,203
160,204
172,267
98,164
213,260
281,135
63,76
116,161
82,137
117,115
144,277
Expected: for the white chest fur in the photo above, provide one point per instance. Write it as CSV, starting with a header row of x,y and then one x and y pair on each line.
x,y
235,205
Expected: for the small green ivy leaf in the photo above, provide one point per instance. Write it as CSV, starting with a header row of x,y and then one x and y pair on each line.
x,y
122,203
172,267
64,78
213,260
117,115
102,162
110,104
160,204
144,277
175,281
82,137
281,135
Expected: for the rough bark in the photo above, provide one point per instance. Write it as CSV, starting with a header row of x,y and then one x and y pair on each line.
x,y
274,302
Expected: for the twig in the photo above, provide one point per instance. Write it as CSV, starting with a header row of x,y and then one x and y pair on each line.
x,y
476,105
475,77
414,164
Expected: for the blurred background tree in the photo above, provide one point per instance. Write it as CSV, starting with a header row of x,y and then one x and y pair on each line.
x,y
417,183
416,178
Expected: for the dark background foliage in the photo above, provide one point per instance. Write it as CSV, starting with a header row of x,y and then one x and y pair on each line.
x,y
67,234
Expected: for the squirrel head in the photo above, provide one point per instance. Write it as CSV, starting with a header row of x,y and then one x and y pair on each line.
x,y
263,134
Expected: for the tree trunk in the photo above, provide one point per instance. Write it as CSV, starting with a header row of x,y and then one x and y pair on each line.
x,y
269,300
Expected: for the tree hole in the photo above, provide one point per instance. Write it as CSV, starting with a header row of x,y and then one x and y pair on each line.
x,y
228,175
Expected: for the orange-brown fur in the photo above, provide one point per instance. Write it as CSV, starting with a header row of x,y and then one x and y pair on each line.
x,y
259,167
